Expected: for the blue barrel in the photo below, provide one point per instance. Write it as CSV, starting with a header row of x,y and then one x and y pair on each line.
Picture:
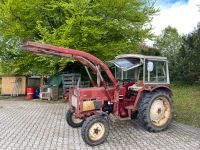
x,y
37,93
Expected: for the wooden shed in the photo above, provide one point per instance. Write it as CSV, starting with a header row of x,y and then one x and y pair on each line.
x,y
13,84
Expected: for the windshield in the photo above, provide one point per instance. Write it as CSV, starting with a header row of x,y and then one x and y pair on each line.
x,y
126,68
134,74
126,63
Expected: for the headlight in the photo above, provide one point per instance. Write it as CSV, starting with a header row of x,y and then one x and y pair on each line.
x,y
74,101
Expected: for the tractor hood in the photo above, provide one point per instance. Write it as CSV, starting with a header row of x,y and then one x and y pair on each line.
x,y
126,63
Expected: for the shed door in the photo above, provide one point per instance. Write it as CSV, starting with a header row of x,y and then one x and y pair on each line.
x,y
8,85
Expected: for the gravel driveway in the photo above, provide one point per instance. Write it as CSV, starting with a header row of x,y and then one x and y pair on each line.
x,y
35,125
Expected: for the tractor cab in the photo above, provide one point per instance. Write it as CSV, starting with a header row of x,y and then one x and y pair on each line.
x,y
132,68
136,73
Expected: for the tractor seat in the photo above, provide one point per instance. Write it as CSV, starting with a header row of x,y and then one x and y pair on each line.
x,y
136,87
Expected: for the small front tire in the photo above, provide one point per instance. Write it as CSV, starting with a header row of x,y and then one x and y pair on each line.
x,y
95,130
72,120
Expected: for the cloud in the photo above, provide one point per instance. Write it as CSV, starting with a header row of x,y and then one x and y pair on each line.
x,y
182,15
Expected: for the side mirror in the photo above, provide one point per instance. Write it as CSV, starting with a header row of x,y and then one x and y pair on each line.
x,y
150,66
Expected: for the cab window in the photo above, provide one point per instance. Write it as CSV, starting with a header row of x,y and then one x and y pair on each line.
x,y
155,71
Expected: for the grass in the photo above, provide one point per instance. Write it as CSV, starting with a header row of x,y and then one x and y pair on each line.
x,y
4,97
187,104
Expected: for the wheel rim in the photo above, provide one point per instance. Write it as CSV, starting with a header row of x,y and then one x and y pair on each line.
x,y
160,111
76,120
96,131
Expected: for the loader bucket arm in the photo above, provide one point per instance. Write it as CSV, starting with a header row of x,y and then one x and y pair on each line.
x,y
83,57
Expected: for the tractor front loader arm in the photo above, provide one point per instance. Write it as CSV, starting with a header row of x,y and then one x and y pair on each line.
x,y
85,58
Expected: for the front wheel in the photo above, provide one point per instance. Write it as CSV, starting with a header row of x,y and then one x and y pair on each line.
x,y
95,130
72,120
155,110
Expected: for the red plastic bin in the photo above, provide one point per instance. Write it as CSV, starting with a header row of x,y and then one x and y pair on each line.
x,y
30,93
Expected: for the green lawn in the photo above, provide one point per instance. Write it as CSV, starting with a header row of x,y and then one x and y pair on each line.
x,y
187,104
4,97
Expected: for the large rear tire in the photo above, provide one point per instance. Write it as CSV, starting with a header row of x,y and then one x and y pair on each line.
x,y
156,110
95,130
72,120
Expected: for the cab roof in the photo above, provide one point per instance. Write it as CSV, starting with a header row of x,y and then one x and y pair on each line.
x,y
130,61
139,56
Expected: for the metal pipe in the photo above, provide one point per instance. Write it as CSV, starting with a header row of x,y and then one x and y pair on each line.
x,y
89,75
99,73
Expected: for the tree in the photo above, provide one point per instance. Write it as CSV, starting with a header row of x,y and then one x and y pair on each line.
x,y
15,61
147,50
104,28
169,44
188,58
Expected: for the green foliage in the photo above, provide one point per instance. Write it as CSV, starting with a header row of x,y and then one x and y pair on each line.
x,y
151,51
183,54
104,28
169,44
16,61
188,58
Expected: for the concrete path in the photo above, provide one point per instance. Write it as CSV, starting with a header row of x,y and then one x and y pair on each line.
x,y
32,125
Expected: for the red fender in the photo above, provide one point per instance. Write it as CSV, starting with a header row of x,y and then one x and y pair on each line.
x,y
164,87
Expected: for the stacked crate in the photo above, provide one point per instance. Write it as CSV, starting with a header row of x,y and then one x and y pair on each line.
x,y
50,93
70,80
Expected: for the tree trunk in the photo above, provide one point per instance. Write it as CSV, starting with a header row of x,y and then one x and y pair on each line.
x,y
41,81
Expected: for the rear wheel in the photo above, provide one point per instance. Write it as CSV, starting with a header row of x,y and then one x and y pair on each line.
x,y
95,130
72,120
155,110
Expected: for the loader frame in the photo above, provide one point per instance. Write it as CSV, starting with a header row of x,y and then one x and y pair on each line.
x,y
102,94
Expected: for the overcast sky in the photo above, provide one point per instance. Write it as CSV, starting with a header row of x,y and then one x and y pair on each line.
x,y
181,14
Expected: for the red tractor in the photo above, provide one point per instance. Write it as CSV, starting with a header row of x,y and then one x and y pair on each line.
x,y
139,88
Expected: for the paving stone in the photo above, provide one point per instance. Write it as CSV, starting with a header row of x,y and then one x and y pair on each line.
x,y
42,126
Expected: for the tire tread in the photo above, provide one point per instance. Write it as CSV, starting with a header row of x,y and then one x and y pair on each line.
x,y
144,109
89,121
69,120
